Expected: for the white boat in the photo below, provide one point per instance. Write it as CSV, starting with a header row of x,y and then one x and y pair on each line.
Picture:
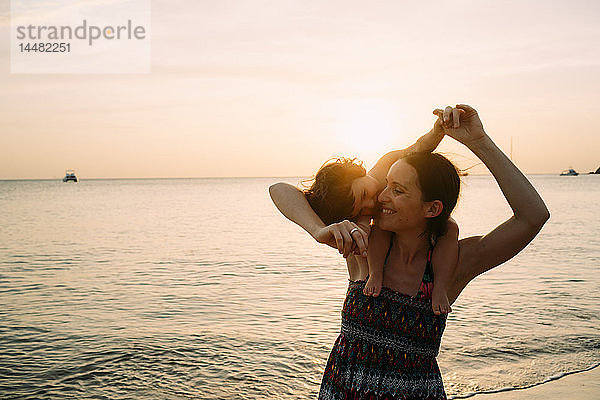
x,y
569,172
70,176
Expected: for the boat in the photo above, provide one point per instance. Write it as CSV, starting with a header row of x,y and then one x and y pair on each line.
x,y
595,173
70,176
569,172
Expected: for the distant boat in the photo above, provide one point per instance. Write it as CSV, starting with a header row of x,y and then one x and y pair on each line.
x,y
569,172
597,171
70,176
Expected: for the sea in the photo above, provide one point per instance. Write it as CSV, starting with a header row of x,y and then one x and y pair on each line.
x,y
201,289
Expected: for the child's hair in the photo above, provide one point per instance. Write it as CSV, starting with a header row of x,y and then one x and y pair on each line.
x,y
330,193
438,179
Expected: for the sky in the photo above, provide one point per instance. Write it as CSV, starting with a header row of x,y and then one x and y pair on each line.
x,y
275,88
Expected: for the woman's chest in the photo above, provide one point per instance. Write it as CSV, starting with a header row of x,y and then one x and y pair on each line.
x,y
403,278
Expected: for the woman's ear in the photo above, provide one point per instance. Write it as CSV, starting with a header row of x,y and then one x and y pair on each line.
x,y
433,208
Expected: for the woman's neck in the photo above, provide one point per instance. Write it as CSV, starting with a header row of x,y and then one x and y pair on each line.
x,y
410,245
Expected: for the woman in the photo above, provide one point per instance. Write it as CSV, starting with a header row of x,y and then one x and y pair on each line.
x,y
388,344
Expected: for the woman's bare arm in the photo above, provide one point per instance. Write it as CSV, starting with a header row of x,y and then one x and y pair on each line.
x,y
481,253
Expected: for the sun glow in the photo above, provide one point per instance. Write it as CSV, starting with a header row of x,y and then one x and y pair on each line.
x,y
365,127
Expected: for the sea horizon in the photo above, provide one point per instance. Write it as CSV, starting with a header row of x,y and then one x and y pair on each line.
x,y
242,177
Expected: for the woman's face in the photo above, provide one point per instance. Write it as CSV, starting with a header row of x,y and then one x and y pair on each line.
x,y
402,207
365,190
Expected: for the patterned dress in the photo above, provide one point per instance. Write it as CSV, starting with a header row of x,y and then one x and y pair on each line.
x,y
387,346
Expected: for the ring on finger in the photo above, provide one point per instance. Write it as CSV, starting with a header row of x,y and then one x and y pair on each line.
x,y
353,230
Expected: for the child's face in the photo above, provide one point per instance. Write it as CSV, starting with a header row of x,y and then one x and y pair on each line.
x,y
365,191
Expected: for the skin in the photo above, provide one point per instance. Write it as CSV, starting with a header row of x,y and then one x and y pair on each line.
x,y
365,191
401,201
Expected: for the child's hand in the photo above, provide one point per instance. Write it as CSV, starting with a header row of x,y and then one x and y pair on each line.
x,y
342,236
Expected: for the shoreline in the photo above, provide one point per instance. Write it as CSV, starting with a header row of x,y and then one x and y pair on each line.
x,y
578,385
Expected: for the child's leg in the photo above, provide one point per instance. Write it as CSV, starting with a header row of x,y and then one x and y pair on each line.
x,y
439,296
445,258
379,242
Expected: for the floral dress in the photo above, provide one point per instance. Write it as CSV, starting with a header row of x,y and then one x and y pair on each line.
x,y
387,346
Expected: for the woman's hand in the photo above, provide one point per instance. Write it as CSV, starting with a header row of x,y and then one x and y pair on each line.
x,y
461,123
346,236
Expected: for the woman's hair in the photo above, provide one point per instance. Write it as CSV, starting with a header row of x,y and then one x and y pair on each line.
x,y
330,192
438,179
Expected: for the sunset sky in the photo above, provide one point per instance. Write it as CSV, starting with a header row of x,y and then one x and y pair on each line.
x,y
274,88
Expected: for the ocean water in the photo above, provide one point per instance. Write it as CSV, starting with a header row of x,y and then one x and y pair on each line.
x,y
199,288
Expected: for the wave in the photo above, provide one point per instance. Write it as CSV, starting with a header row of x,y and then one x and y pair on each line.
x,y
40,363
510,389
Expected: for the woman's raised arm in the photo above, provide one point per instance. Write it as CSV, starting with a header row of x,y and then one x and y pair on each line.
x,y
481,253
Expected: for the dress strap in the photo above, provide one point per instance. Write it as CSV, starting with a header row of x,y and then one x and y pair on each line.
x,y
389,250
426,286
428,274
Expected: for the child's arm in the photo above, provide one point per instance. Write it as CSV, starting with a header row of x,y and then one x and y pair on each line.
x,y
379,243
444,260
293,205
